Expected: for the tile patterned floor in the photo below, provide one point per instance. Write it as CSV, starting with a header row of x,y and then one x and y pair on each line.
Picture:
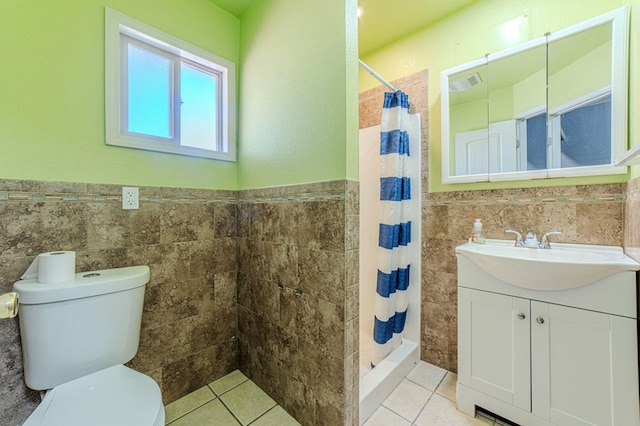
x,y
425,397
230,401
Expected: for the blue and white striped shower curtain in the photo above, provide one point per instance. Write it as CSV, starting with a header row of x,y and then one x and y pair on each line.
x,y
395,227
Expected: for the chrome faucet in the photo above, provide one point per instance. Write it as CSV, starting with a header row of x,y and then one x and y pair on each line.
x,y
530,240
544,241
519,240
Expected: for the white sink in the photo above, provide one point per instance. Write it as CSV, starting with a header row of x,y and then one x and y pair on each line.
x,y
563,267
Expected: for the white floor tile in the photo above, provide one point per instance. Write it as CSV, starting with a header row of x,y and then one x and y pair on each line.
x,y
441,411
385,417
188,403
448,386
228,382
427,375
407,399
276,417
209,413
247,402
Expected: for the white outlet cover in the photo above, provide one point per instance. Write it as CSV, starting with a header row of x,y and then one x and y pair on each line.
x,y
130,198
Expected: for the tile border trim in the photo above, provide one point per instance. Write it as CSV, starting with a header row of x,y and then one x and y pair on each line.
x,y
36,191
593,198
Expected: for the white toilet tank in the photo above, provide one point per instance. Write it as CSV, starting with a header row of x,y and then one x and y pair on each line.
x,y
75,328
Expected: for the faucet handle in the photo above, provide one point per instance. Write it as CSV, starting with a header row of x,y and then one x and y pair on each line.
x,y
519,240
544,241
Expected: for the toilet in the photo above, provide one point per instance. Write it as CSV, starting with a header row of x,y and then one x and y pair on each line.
x,y
76,336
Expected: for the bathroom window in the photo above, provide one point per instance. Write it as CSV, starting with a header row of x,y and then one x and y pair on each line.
x,y
581,133
163,94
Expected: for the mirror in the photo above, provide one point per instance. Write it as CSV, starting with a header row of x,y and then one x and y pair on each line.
x,y
468,112
579,117
517,111
553,107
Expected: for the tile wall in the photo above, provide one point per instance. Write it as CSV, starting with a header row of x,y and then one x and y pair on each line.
x,y
632,220
278,266
593,214
187,237
297,298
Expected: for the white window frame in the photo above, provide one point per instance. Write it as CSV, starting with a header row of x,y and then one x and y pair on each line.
x,y
118,27
521,127
554,151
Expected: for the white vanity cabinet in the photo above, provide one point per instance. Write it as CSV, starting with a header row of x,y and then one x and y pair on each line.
x,y
548,357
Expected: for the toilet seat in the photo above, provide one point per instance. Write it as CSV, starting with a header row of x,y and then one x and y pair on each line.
x,y
116,395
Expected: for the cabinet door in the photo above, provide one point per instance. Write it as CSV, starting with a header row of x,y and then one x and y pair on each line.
x,y
494,345
584,366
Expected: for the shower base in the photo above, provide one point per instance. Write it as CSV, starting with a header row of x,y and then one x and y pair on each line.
x,y
376,384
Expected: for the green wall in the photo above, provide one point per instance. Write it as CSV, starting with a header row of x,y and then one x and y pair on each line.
x,y
476,30
52,92
566,84
298,92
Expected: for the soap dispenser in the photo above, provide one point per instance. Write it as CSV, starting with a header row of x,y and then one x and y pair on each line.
x,y
477,236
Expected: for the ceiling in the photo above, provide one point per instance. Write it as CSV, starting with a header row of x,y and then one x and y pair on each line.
x,y
382,21
234,7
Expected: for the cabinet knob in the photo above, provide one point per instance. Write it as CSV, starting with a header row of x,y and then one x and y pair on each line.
x,y
521,316
540,320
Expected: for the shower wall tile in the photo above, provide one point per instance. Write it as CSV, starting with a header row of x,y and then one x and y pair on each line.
x,y
294,337
416,86
186,236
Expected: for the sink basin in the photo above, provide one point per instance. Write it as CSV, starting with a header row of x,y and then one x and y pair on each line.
x,y
563,267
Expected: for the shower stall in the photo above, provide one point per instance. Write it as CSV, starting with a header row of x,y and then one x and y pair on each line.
x,y
377,383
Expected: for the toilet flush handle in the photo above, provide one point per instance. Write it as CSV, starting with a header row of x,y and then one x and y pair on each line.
x,y
8,305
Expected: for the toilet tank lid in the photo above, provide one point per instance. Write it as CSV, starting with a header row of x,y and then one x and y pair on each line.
x,y
85,284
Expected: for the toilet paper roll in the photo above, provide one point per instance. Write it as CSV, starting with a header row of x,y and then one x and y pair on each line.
x,y
52,267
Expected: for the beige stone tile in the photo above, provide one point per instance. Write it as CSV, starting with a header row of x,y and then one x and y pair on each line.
x,y
427,375
247,402
448,386
188,403
228,382
443,412
385,417
211,413
407,399
276,417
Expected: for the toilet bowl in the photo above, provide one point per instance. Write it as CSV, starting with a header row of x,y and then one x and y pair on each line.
x,y
76,336
114,396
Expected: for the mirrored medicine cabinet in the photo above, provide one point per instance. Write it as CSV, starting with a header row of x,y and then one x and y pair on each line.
x,y
553,107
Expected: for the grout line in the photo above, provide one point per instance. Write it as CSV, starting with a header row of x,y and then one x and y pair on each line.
x,y
228,390
264,414
432,392
425,404
225,405
232,413
229,410
195,408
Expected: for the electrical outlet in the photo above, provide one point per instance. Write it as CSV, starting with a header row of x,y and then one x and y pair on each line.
x,y
130,199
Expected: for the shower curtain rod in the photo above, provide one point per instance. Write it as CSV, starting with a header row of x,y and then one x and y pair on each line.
x,y
376,75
